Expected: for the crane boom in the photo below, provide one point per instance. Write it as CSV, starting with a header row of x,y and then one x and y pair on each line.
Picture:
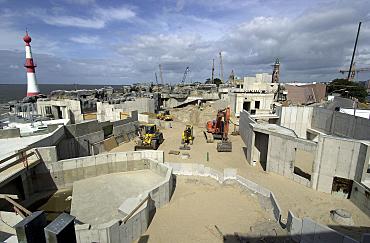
x,y
350,75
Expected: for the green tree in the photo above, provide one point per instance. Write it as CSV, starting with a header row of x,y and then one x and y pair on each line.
x,y
347,88
216,81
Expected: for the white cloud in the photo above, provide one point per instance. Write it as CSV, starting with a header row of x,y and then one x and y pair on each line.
x,y
72,21
121,13
85,39
98,19
81,2
13,66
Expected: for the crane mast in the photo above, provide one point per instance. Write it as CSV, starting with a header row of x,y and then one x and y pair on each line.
x,y
213,70
160,73
221,68
185,74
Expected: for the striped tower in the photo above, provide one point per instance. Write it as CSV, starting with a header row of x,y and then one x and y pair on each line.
x,y
32,88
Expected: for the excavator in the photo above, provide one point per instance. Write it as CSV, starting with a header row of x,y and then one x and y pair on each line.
x,y
187,137
150,137
219,129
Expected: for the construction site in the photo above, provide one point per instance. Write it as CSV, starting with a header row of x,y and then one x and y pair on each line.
x,y
247,160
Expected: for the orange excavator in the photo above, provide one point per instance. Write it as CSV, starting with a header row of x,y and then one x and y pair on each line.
x,y
219,128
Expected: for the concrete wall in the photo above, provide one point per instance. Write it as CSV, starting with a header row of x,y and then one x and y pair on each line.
x,y
297,118
339,157
340,124
10,133
125,130
237,100
360,196
247,134
111,112
65,172
308,231
70,109
282,156
87,138
143,118
137,224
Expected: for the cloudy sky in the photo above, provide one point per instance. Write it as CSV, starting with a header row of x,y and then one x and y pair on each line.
x,y
118,42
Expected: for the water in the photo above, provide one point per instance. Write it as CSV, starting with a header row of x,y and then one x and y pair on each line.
x,y
10,92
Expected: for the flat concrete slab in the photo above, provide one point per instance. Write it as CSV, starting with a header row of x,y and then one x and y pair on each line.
x,y
96,200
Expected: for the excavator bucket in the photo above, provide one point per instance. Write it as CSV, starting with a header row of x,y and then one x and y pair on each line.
x,y
224,146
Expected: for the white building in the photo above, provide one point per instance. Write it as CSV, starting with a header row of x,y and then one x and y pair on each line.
x,y
255,95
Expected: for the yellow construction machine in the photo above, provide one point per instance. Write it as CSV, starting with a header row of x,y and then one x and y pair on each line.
x,y
187,137
165,115
150,137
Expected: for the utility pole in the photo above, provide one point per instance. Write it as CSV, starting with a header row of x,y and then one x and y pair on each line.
x,y
221,68
354,51
213,70
160,73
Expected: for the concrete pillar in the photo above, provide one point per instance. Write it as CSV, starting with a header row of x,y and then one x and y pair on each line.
x,y
61,230
31,228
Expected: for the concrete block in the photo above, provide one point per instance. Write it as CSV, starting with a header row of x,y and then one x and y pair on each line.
x,y
275,206
230,173
89,171
69,164
123,235
48,154
325,183
294,226
61,230
186,169
57,166
162,195
122,156
325,234
101,159
31,228
365,238
138,155
88,161
347,239
136,222
308,231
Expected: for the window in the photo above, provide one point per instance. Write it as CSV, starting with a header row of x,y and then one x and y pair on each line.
x,y
48,110
257,104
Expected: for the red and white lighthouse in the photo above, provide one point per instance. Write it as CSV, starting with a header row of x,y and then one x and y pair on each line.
x,y
32,88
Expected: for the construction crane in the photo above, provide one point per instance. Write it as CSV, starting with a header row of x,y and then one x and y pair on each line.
x,y
187,70
213,70
353,71
160,73
351,75
221,68
232,77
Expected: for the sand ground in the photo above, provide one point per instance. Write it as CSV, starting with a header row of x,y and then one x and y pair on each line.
x,y
302,201
198,204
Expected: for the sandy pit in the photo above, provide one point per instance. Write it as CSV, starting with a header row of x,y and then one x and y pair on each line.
x,y
302,201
